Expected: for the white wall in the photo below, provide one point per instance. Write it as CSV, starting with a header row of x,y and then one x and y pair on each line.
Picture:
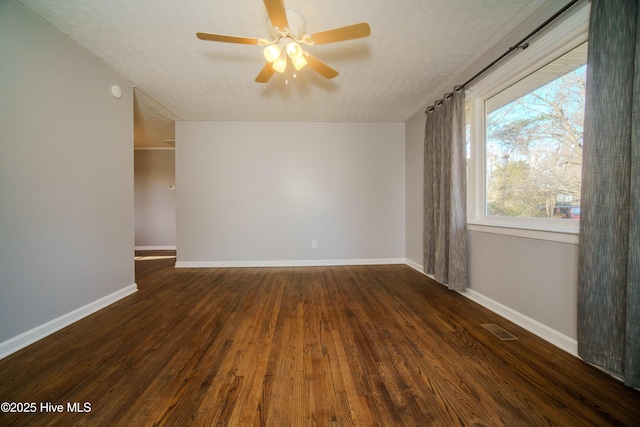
x,y
155,202
260,193
66,180
414,177
536,278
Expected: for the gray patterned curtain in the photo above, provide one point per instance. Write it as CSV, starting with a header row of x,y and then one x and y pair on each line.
x,y
445,192
609,253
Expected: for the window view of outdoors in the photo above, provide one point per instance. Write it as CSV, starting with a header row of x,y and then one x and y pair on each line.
x,y
534,142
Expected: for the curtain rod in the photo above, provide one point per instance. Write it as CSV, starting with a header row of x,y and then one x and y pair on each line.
x,y
520,45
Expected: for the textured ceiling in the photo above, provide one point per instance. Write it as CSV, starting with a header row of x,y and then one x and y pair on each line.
x,y
415,47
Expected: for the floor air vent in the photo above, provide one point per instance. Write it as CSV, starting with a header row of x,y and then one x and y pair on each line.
x,y
498,331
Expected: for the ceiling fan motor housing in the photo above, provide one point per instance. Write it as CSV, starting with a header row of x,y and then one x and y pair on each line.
x,y
296,24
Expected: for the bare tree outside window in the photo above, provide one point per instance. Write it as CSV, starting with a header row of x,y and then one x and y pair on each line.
x,y
534,142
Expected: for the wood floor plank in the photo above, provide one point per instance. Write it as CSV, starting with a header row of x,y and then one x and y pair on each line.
x,y
334,346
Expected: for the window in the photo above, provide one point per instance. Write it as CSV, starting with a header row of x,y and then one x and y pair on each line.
x,y
526,124
533,142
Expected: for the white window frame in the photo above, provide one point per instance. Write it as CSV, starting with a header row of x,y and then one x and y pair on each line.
x,y
568,34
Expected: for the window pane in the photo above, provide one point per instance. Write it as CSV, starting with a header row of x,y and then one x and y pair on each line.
x,y
534,142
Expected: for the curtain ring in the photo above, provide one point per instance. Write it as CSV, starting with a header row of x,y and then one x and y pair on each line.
x,y
430,109
458,88
439,103
448,96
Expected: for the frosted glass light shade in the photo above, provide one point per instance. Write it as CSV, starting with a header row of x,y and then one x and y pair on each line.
x,y
280,64
299,62
294,50
272,52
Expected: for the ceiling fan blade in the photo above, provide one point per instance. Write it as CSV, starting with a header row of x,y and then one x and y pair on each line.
x,y
226,39
277,13
320,67
349,32
266,73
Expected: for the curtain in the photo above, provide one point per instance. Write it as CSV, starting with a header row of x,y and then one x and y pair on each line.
x,y
445,192
609,251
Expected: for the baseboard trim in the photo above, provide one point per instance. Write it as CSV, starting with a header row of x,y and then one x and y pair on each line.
x,y
556,338
414,265
288,263
29,337
155,248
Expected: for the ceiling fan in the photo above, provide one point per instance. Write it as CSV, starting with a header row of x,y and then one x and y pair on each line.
x,y
291,36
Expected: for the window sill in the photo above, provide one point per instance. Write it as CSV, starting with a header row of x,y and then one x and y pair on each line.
x,y
552,235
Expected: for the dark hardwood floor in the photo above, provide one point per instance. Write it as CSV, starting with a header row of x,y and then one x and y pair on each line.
x,y
341,346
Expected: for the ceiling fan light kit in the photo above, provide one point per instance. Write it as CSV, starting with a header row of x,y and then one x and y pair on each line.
x,y
272,52
286,26
294,50
299,62
280,64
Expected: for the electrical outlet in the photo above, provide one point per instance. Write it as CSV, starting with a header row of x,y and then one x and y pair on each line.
x,y
314,244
